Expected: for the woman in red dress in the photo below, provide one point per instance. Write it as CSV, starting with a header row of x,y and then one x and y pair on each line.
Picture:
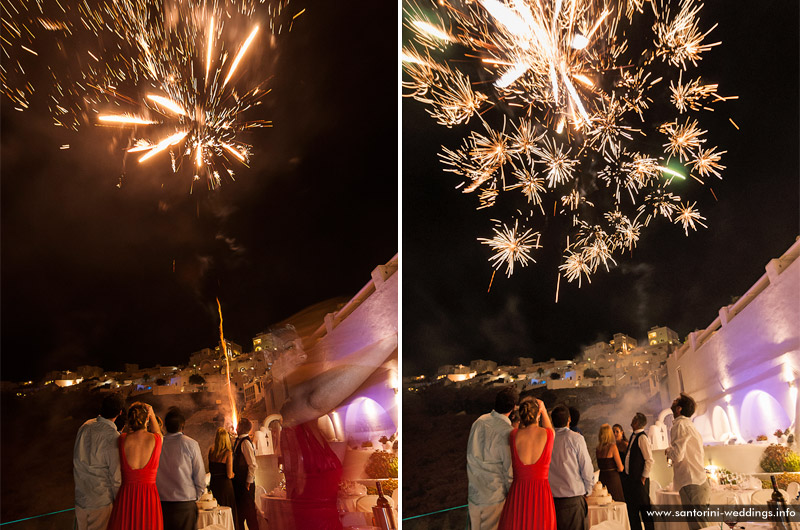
x,y
137,506
529,503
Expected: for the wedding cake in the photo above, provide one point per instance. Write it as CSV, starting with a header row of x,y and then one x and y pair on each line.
x,y
207,501
599,495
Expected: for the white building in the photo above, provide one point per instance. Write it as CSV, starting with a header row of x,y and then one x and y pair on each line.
x,y
743,369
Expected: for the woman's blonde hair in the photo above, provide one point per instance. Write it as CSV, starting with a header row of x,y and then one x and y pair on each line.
x,y
137,416
221,447
529,413
606,436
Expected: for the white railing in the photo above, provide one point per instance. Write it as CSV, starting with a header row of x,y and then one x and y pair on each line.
x,y
774,268
380,274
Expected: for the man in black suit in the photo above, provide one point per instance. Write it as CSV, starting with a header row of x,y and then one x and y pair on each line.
x,y
636,479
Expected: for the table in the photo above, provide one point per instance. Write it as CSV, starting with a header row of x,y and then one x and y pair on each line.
x,y
221,516
616,511
721,495
277,511
718,496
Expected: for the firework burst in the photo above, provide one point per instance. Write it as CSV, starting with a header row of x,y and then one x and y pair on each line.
x,y
183,77
565,105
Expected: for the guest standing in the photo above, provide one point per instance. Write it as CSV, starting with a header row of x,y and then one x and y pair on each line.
x,y
220,465
571,474
529,504
686,452
137,506
489,462
244,476
609,463
621,440
636,482
95,466
181,478
574,418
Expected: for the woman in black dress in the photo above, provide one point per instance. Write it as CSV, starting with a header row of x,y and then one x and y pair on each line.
x,y
220,465
610,463
622,442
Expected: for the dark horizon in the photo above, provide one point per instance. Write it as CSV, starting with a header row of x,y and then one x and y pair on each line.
x,y
753,216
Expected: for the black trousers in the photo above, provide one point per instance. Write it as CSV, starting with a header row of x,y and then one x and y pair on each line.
x,y
637,497
245,505
571,513
179,515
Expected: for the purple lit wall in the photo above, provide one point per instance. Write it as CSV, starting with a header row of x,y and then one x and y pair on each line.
x,y
743,371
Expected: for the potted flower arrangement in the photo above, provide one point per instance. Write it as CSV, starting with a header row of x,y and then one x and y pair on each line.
x,y
779,458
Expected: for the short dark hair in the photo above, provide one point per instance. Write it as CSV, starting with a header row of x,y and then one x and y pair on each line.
x,y
505,400
112,406
244,426
687,405
174,420
560,416
574,417
640,419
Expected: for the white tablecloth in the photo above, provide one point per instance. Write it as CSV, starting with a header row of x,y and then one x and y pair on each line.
x,y
616,511
222,517
721,495
669,497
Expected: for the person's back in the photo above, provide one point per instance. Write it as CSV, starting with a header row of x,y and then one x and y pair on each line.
x,y
136,505
489,463
571,473
139,447
529,503
181,476
96,469
530,443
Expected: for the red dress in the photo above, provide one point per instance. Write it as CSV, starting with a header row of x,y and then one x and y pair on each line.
x,y
313,472
529,503
137,506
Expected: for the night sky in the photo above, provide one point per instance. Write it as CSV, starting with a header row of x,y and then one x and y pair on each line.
x,y
87,268
672,280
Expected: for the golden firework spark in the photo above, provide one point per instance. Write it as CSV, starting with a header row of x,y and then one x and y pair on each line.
x,y
567,105
511,246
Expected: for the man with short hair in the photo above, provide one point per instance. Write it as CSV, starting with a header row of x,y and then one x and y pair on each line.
x,y
181,478
489,462
686,452
244,470
636,478
95,466
571,473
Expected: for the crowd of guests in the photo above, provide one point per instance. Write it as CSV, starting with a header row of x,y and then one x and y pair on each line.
x,y
530,469
143,478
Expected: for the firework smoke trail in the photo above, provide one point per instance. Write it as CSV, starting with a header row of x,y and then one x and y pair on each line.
x,y
234,416
557,103
153,69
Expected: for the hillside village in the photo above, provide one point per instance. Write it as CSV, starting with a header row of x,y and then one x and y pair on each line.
x,y
620,363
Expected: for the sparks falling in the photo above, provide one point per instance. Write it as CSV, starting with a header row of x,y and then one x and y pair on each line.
x,y
188,71
234,416
555,99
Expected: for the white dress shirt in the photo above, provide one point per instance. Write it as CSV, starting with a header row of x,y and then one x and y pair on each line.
x,y
571,471
647,454
249,454
686,452
489,459
95,464
181,472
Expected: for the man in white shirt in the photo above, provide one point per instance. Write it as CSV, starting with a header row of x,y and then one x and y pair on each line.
x,y
244,469
489,462
95,466
571,473
636,480
686,452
